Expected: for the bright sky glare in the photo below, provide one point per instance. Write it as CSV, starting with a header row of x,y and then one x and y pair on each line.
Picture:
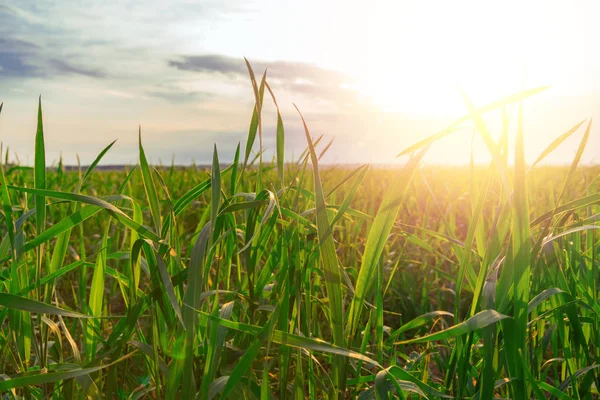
x,y
377,76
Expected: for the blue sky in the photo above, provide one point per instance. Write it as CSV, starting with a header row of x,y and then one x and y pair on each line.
x,y
377,76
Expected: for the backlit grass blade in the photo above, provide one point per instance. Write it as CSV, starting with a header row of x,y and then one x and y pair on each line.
x,y
326,148
488,107
420,321
476,322
346,179
382,386
556,142
537,300
246,360
521,259
492,146
234,170
288,339
577,159
215,349
532,382
362,172
376,240
568,179
569,206
280,142
430,392
256,123
331,268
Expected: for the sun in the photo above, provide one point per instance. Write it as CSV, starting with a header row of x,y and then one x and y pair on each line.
x,y
416,67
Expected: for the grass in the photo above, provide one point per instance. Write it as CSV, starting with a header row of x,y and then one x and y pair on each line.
x,y
289,280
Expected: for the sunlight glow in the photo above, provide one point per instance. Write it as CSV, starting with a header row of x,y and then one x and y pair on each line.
x,y
416,68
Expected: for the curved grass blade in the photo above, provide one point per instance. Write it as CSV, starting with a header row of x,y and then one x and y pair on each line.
x,y
113,210
420,321
572,205
64,225
280,142
477,321
331,269
15,302
288,339
255,123
376,239
488,107
429,392
93,165
540,298
556,142
44,377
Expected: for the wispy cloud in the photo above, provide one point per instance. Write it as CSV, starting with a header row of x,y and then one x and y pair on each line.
x,y
234,66
64,67
22,59
296,77
14,58
177,95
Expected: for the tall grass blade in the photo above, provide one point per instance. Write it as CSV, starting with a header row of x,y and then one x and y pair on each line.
x,y
376,240
331,268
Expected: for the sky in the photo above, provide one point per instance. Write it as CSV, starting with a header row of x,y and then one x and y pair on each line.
x,y
374,77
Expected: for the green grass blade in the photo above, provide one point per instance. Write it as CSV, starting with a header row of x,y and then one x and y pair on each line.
x,y
557,142
113,210
216,189
376,240
477,321
65,225
15,302
331,269
96,298
521,258
44,377
40,173
419,321
488,107
93,165
280,142
149,187
234,170
256,123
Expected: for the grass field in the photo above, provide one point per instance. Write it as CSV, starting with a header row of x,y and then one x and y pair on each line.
x,y
286,280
